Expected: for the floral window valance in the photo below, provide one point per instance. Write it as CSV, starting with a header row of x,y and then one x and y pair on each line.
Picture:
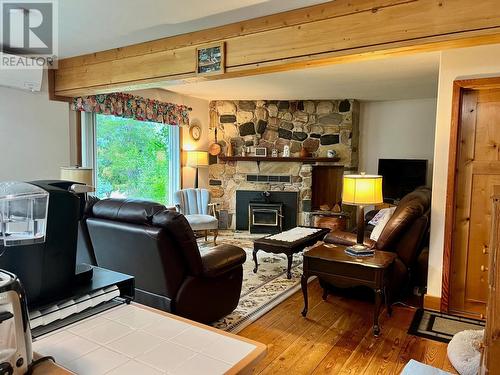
x,y
136,107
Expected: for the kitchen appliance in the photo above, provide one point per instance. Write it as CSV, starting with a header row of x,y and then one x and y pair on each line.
x,y
15,334
23,221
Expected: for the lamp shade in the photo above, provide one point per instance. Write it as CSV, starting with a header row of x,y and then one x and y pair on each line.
x,y
78,174
196,158
361,189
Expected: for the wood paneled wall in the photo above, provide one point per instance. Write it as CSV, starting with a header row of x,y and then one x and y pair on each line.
x,y
341,30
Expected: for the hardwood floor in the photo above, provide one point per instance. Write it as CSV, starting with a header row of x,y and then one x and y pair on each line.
x,y
336,338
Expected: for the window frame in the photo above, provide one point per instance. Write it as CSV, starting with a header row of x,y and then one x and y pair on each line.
x,y
89,152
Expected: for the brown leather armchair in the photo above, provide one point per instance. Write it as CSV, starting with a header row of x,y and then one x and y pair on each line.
x,y
403,234
159,248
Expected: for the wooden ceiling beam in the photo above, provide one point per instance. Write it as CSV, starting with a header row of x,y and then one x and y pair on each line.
x,y
333,32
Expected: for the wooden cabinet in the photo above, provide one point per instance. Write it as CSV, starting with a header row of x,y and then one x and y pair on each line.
x,y
491,354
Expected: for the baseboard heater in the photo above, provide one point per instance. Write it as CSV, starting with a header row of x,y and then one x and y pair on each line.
x,y
106,290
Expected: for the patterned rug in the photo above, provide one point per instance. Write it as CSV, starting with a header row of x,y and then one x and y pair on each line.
x,y
261,291
440,326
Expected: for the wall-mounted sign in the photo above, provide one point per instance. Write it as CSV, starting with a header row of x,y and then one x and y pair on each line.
x,y
210,59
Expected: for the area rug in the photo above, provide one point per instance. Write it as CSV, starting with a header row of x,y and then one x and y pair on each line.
x,y
261,291
439,326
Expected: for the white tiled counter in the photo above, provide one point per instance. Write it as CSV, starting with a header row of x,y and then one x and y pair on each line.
x,y
133,339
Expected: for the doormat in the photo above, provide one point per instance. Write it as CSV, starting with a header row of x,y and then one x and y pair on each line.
x,y
439,326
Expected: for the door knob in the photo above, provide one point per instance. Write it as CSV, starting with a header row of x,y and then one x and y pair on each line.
x,y
485,250
483,268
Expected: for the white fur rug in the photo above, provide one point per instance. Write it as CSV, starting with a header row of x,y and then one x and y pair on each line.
x,y
464,351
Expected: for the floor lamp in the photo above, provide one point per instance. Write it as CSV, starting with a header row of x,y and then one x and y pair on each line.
x,y
196,159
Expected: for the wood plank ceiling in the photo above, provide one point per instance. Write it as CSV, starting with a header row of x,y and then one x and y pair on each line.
x,y
337,31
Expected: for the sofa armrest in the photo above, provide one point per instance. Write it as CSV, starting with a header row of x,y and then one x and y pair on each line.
x,y
221,259
346,239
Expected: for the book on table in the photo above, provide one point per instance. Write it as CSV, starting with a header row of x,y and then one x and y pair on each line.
x,y
359,251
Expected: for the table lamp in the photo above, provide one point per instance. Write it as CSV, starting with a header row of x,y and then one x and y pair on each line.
x,y
196,159
82,175
362,190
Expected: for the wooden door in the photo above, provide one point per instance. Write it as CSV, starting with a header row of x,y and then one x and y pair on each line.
x,y
491,350
478,170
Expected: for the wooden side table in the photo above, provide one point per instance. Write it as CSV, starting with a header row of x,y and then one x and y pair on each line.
x,y
331,264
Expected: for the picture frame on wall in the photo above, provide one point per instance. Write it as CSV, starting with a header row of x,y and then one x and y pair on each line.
x,y
210,59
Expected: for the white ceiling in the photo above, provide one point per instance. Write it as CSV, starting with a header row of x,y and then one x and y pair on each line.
x,y
96,25
408,77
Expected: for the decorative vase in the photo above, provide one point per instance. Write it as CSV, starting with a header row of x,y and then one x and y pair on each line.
x,y
286,151
304,153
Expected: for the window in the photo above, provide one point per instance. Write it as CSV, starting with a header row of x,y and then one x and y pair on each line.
x,y
133,159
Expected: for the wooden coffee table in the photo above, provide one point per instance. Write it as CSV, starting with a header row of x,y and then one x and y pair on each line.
x,y
331,264
288,248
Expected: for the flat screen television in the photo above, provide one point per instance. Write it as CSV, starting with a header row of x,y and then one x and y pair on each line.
x,y
401,176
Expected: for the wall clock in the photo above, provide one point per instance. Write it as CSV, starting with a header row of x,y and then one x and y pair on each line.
x,y
195,132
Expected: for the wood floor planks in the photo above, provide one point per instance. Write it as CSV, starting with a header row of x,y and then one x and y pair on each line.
x,y
336,338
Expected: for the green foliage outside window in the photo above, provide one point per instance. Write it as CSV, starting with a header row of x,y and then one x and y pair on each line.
x,y
132,158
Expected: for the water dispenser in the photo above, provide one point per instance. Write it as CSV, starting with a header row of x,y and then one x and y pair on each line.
x,y
23,213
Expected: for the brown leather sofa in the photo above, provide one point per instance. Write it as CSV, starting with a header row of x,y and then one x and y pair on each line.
x,y
405,234
158,247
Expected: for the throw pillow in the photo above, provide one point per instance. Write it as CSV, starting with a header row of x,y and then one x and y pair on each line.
x,y
379,215
381,222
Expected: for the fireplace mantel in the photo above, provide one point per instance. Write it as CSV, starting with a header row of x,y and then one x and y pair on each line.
x,y
306,160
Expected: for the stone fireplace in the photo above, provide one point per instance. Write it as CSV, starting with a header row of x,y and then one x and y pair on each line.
x,y
315,125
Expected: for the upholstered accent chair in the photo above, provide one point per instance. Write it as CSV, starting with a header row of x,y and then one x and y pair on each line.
x,y
195,205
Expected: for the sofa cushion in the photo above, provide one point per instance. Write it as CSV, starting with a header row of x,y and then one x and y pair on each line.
x,y
202,222
346,239
126,210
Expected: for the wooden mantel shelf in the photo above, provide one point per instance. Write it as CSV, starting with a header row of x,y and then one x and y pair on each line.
x,y
307,160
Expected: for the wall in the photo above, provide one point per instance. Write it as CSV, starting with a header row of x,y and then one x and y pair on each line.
x,y
316,125
474,62
198,114
34,135
402,129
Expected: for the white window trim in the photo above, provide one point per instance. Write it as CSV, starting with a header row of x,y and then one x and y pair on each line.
x,y
174,181
89,150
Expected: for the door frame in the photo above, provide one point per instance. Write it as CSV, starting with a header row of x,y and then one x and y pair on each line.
x,y
459,86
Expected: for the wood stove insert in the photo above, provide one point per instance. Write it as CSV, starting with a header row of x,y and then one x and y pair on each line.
x,y
265,217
